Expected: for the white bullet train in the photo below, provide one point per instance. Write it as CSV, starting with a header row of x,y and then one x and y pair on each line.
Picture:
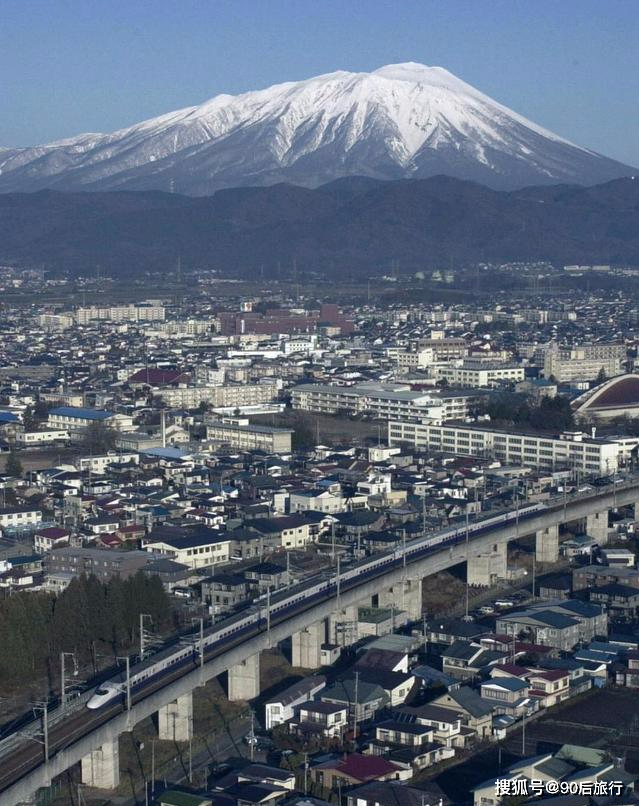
x,y
152,672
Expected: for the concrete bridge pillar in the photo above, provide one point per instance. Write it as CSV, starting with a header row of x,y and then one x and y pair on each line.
x,y
547,545
342,626
101,767
307,646
597,526
406,596
244,679
486,568
175,720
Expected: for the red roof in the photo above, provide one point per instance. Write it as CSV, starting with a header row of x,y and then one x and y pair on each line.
x,y
156,377
53,532
551,674
110,540
134,528
619,393
513,669
362,768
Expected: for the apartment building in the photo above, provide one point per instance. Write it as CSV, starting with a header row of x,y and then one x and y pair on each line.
x,y
570,449
196,551
48,436
382,401
55,321
583,362
240,434
445,349
479,374
19,517
98,464
227,396
102,563
561,624
76,419
120,313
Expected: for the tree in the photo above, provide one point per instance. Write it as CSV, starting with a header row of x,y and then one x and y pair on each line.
x,y
28,419
601,377
41,410
14,465
99,437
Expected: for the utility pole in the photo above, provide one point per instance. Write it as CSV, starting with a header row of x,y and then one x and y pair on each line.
x,y
252,736
43,706
152,767
200,620
127,662
356,708
424,513
467,562
338,583
143,634
63,677
268,615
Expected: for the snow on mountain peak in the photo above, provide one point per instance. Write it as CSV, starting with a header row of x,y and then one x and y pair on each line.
x,y
404,119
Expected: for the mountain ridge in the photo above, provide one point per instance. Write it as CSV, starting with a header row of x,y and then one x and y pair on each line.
x,y
357,226
399,121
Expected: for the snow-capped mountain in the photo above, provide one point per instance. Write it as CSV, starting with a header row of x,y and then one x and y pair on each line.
x,y
401,121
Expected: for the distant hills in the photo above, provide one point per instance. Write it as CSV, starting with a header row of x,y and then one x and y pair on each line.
x,y
355,225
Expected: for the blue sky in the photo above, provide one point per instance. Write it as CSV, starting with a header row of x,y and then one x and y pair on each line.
x,y
68,66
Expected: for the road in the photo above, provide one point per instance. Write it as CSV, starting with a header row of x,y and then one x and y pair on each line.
x,y
227,745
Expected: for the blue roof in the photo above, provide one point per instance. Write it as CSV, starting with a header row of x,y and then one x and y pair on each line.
x,y
166,453
81,413
8,417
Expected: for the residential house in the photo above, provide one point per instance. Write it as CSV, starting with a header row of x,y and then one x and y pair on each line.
x,y
363,700
281,707
197,550
445,723
50,537
474,711
464,660
356,769
321,720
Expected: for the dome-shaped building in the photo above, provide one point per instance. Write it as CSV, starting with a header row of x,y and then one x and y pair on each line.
x,y
617,397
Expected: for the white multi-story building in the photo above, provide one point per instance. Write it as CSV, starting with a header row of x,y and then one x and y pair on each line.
x,y
240,434
571,449
76,420
227,396
98,464
583,362
479,374
19,517
198,551
121,313
47,436
378,400
55,321
384,401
